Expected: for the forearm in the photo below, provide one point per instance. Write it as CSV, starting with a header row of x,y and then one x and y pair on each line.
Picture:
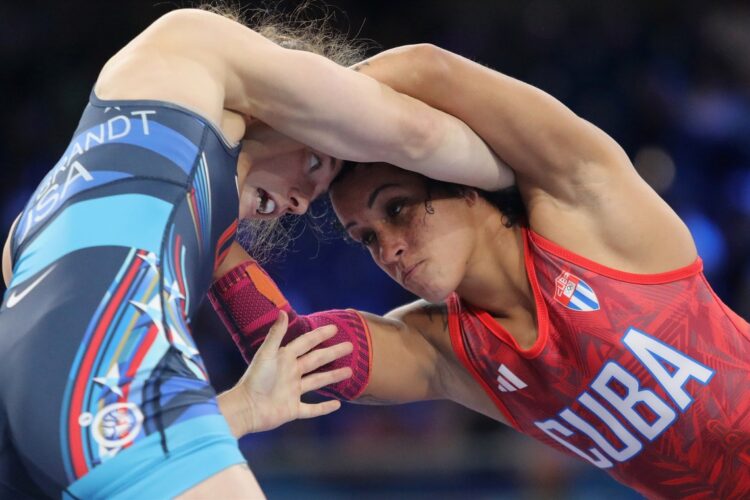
x,y
248,302
391,360
330,108
367,121
455,153
528,128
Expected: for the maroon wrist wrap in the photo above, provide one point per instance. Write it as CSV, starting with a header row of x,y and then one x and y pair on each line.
x,y
248,302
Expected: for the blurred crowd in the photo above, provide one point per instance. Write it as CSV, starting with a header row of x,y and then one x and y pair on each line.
x,y
670,81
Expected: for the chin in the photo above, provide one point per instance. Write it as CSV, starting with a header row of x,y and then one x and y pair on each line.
x,y
434,295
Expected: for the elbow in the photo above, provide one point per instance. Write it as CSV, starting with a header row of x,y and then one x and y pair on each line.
x,y
430,65
179,17
421,137
187,20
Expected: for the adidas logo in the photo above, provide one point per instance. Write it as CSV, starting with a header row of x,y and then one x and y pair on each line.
x,y
507,381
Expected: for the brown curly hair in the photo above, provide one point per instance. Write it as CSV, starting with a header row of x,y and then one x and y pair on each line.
x,y
508,201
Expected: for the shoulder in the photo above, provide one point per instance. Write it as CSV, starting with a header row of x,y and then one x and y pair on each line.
x,y
430,320
421,312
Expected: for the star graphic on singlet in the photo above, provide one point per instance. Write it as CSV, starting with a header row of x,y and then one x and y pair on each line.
x,y
152,313
150,259
178,342
113,380
174,292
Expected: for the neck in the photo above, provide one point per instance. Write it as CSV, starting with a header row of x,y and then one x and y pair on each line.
x,y
496,278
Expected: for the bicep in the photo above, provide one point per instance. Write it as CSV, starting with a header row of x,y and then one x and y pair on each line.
x,y
548,145
351,116
404,365
303,95
315,101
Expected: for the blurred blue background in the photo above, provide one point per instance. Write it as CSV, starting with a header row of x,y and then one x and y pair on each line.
x,y
670,81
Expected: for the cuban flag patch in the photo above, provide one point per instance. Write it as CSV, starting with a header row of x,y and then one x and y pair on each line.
x,y
574,293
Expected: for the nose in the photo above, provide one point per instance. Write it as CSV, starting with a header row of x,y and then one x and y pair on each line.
x,y
298,202
392,248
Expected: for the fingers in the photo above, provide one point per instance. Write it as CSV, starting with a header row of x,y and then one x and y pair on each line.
x,y
320,357
305,343
317,380
276,334
307,410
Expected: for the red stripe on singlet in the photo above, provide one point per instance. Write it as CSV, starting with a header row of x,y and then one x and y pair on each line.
x,y
84,373
135,363
223,239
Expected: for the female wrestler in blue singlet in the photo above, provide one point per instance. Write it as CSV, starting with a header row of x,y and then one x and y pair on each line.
x,y
104,393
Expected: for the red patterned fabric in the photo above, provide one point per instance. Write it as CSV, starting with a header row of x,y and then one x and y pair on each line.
x,y
248,302
644,376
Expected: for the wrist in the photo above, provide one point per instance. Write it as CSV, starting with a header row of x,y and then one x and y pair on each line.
x,y
237,412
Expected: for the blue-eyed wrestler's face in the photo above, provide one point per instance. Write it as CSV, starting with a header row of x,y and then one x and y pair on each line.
x,y
283,176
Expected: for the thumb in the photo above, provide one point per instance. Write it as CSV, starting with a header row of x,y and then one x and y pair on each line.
x,y
275,335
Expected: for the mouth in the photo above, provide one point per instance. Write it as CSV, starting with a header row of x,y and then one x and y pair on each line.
x,y
409,272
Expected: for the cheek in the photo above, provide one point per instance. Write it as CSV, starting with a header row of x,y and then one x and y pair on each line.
x,y
247,203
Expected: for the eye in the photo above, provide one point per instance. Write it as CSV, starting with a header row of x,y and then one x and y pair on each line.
x,y
313,163
394,208
368,238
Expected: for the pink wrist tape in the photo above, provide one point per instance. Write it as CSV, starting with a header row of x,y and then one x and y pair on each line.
x,y
248,302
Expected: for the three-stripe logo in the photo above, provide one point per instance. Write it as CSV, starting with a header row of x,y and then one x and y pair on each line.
x,y
507,381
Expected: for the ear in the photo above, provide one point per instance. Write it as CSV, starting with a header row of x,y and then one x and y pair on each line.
x,y
471,195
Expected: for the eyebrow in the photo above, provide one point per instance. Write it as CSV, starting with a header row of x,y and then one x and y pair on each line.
x,y
373,196
376,192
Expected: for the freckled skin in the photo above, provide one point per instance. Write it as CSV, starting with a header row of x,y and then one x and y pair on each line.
x,y
408,225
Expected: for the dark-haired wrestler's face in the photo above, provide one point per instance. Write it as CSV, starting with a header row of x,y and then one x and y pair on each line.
x,y
282,175
422,240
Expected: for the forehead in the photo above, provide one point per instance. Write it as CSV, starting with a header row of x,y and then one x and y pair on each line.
x,y
360,189
361,180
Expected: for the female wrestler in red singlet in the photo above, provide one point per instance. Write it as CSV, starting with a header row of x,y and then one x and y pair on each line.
x,y
587,323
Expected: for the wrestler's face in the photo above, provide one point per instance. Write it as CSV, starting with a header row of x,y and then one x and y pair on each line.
x,y
278,176
421,239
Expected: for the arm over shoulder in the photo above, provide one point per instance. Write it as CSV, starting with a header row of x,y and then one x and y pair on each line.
x,y
213,64
575,179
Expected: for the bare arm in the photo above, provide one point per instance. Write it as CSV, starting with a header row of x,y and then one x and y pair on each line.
x,y
403,357
212,64
413,360
405,366
7,259
534,132
576,181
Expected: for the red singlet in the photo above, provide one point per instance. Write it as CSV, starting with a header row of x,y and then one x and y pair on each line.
x,y
644,376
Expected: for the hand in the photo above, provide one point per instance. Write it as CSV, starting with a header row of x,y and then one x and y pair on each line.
x,y
269,392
